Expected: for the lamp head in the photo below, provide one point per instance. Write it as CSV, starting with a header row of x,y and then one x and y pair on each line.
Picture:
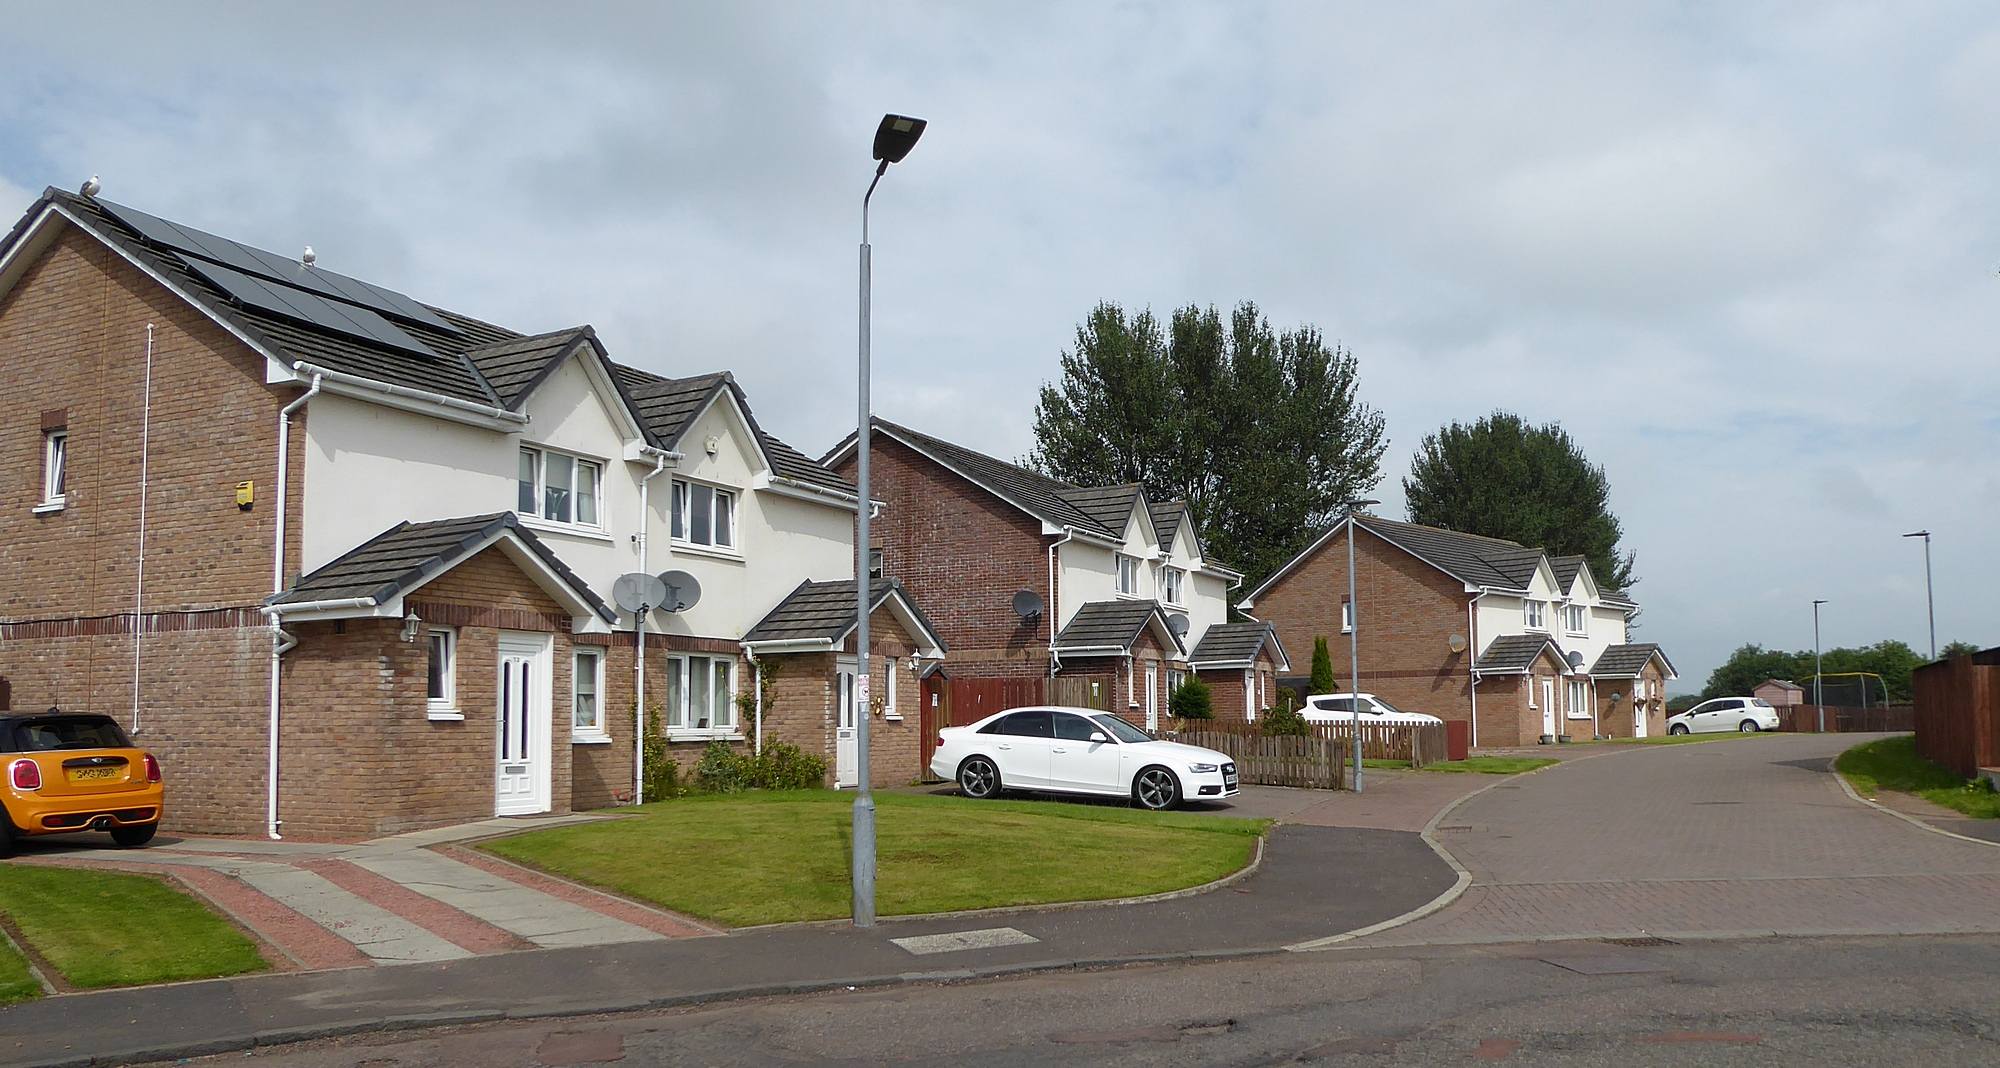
x,y
1925,534
896,136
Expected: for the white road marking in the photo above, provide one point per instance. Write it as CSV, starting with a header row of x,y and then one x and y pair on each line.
x,y
990,938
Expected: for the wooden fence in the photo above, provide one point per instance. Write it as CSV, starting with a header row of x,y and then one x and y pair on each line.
x,y
1958,712
1321,758
1806,719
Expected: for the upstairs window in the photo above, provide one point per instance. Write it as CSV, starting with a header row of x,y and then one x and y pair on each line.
x,y
55,466
1172,578
874,563
1346,615
1576,619
1536,614
704,515
1128,575
558,487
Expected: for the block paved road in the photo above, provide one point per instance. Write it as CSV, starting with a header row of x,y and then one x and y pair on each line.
x,y
1750,835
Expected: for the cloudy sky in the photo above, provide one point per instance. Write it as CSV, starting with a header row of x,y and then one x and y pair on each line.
x,y
1745,252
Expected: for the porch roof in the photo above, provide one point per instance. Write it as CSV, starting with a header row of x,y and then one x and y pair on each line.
x,y
1106,627
1237,645
822,615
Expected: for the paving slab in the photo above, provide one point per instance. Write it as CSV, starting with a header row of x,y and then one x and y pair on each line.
x,y
544,920
384,936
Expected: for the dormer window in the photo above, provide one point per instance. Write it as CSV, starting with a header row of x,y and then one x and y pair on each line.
x,y
704,515
558,487
1128,575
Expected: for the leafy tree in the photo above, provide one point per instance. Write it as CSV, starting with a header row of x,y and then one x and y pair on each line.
x,y
1322,673
1191,700
1682,702
1260,431
1502,478
1282,720
1751,664
1952,649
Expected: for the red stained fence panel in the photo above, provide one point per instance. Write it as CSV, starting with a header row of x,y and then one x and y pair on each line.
x,y
1958,712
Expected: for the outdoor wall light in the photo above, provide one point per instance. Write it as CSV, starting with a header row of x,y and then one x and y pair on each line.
x,y
1616,696
410,624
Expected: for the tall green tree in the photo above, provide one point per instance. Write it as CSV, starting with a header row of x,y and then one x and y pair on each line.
x,y
1261,431
1749,665
1503,478
1322,671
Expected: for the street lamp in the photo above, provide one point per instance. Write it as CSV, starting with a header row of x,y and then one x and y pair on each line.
x,y
1930,600
893,140
1354,637
1818,705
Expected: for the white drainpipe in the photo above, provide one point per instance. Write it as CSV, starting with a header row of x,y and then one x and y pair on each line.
x,y
1472,659
280,641
1055,658
757,698
139,566
639,638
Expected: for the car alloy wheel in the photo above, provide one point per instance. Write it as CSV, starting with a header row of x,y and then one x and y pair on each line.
x,y
978,778
1156,789
1748,726
1678,728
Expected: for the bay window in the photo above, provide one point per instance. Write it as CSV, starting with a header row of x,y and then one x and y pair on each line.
x,y
701,695
703,515
558,487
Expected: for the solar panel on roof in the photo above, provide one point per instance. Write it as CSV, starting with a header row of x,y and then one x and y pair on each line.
x,y
269,265
305,307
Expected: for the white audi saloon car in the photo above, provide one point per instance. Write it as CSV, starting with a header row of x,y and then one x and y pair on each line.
x,y
1078,751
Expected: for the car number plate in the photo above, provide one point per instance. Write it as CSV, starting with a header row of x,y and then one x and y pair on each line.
x,y
93,774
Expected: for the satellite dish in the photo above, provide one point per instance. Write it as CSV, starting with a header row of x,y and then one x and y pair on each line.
x,y
1178,623
1575,659
681,591
638,591
1457,643
1027,605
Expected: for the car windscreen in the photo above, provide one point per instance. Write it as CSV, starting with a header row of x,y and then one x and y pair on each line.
x,y
1380,706
1121,730
68,732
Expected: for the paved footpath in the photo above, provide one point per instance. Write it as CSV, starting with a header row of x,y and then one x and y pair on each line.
x,y
1745,836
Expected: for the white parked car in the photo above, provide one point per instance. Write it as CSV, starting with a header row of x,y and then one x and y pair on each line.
x,y
1339,708
1078,751
1746,714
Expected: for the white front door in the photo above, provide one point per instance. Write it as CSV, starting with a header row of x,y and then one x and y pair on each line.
x,y
1152,696
846,751
1638,708
1549,706
521,725
1250,697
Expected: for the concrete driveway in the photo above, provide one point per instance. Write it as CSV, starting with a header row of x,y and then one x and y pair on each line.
x,y
1739,837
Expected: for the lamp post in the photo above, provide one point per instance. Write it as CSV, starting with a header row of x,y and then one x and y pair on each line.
x,y
1930,600
1354,638
1818,705
893,140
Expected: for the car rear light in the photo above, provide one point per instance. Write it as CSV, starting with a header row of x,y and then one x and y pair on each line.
x,y
940,741
152,769
26,775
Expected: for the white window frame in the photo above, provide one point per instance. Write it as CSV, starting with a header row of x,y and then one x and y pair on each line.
x,y
680,687
540,489
680,521
1579,699
1581,614
1126,564
1173,585
1176,678
1535,615
55,468
599,731
445,705
889,690
1346,616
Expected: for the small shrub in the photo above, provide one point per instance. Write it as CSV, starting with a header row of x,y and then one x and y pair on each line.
x,y
1282,720
660,775
784,766
723,770
1191,700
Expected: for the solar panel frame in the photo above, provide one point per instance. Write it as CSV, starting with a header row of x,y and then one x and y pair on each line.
x,y
247,259
306,307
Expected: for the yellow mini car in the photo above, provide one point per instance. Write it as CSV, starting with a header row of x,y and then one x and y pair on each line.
x,y
68,772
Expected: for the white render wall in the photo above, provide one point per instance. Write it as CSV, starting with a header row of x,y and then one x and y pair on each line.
x,y
370,467
1089,572
1501,614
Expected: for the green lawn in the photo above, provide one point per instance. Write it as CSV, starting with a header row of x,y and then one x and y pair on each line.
x,y
1893,764
16,984
1492,765
754,858
103,929
1385,763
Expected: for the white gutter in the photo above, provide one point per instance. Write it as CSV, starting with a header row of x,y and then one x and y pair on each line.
x,y
639,637
1055,656
425,396
139,566
820,492
280,641
336,604
1087,649
790,645
1472,659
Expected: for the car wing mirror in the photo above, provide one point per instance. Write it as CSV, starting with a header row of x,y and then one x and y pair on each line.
x,y
1098,737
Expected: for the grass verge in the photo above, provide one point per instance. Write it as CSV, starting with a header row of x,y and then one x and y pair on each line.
x,y
1385,763
755,858
102,929
16,982
1893,764
1492,765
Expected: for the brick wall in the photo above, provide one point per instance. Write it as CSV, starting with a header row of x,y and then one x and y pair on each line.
x,y
1409,611
1226,687
1505,718
962,553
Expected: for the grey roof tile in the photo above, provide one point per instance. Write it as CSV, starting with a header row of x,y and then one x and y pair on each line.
x,y
825,611
667,406
1515,652
1037,494
1108,624
515,366
1625,661
409,554
1237,643
1167,521
1109,506
1565,568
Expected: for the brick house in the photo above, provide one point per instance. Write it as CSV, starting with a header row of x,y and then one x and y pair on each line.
x,y
1520,645
344,560
1029,576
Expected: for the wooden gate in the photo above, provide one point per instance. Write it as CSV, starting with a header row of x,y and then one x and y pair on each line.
x,y
1079,691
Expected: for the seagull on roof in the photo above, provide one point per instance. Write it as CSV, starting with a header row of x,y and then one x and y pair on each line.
x,y
309,256
91,187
